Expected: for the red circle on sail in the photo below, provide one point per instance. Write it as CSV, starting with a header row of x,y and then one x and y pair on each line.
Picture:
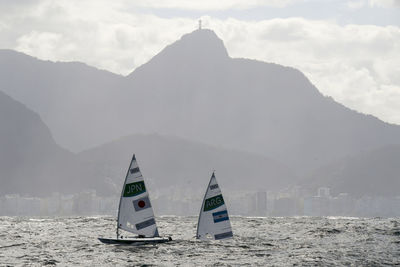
x,y
141,203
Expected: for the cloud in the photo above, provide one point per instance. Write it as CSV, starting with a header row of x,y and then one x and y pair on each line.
x,y
214,5
41,43
356,4
384,3
105,36
355,64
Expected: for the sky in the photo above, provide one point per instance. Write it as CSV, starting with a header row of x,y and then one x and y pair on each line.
x,y
349,49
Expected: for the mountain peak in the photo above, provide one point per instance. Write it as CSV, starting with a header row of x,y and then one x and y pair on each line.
x,y
202,41
198,49
200,45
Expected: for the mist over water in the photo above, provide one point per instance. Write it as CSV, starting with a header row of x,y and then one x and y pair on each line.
x,y
257,242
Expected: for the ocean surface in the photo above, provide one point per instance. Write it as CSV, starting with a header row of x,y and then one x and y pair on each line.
x,y
304,241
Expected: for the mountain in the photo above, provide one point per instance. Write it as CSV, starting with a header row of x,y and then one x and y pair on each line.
x,y
171,162
73,99
194,90
30,160
375,172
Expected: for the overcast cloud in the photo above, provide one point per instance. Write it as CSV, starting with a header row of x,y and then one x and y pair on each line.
x,y
355,62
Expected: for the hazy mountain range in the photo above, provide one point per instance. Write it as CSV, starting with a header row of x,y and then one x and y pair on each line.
x,y
272,116
168,162
375,172
31,162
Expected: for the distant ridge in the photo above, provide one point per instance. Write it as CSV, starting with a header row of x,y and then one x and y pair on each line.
x,y
69,96
370,173
169,162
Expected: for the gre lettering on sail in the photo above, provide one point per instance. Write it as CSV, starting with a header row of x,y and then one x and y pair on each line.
x,y
213,219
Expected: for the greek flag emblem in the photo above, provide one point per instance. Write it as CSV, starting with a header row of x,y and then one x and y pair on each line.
x,y
220,216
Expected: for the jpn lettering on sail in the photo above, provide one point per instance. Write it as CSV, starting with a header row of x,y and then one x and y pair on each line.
x,y
213,219
135,213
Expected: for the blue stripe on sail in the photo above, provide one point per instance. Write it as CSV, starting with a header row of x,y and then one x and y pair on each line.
x,y
220,212
145,224
221,219
134,170
223,235
220,216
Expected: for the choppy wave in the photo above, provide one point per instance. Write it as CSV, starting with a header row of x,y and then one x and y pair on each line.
x,y
258,242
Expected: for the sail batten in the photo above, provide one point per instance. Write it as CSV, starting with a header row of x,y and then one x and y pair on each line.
x,y
213,219
135,213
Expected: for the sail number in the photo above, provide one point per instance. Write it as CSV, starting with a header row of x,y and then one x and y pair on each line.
x,y
134,189
213,203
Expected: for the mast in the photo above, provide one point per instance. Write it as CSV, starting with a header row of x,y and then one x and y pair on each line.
x,y
122,192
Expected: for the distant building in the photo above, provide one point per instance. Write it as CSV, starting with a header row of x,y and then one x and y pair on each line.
x,y
342,205
86,203
67,205
261,204
324,192
10,205
29,206
287,206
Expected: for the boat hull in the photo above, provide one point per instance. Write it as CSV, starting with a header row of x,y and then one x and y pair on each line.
x,y
135,241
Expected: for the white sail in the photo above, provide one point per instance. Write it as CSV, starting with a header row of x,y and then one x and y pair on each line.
x,y
213,219
135,212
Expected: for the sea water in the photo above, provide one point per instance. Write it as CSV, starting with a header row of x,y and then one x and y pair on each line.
x,y
270,241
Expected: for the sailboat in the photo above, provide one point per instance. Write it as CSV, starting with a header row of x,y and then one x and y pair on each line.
x,y
213,219
135,213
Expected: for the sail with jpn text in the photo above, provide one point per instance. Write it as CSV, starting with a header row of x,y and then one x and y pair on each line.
x,y
135,213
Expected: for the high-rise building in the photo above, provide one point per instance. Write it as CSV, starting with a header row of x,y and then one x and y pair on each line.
x,y
261,203
324,192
